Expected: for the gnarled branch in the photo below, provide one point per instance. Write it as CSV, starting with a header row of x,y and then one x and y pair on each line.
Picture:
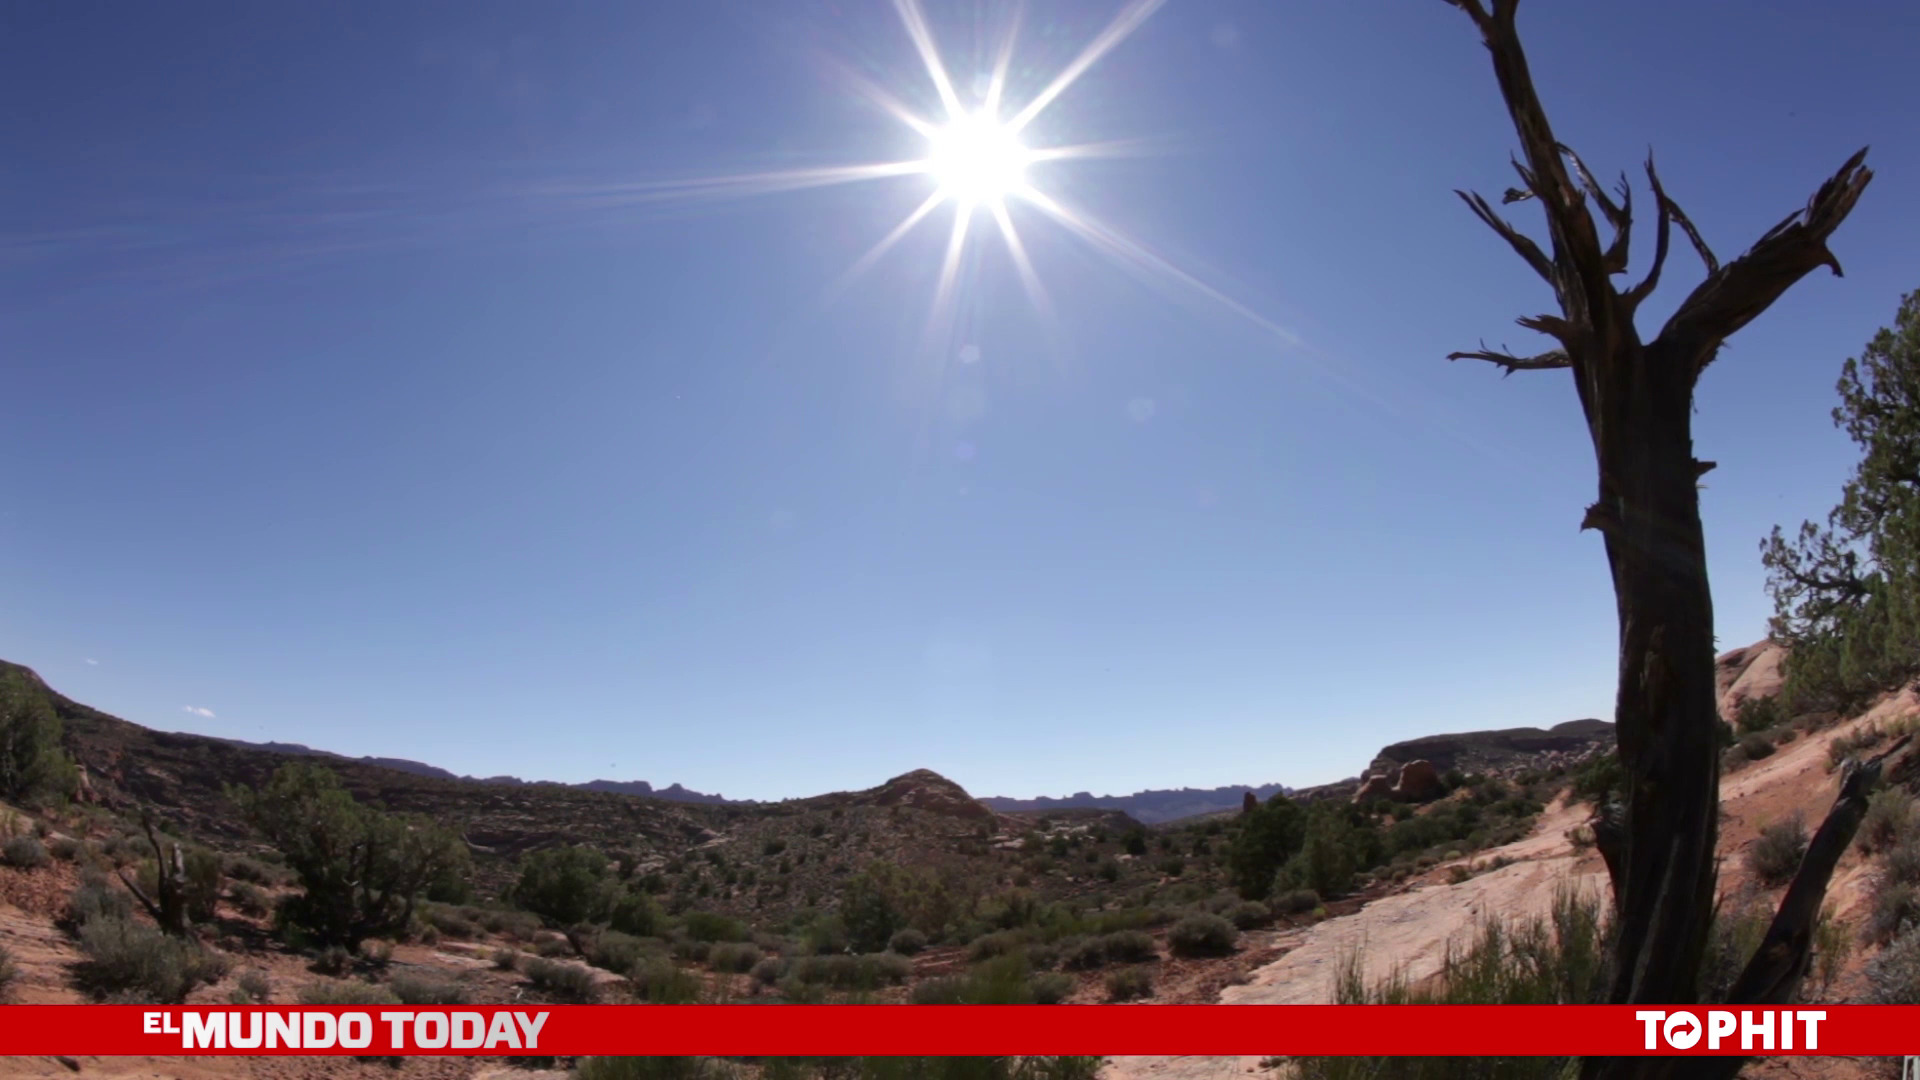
x,y
1546,361
1521,244
1735,294
1619,215
1662,237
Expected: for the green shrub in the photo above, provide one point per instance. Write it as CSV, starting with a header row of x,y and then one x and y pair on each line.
x,y
449,921
414,989
769,970
562,885
710,926
634,912
1891,819
241,868
32,764
95,898
346,992
1775,856
612,950
568,982
658,982
1249,914
1756,746
1127,984
1082,953
1203,935
1051,987
999,943
1893,977
1895,910
256,986
734,957
860,972
1129,947
1557,959
1761,714
907,942
361,869
129,962
1296,901
249,900
25,852
65,848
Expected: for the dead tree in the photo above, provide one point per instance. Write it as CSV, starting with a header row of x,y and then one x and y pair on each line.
x,y
1636,397
168,905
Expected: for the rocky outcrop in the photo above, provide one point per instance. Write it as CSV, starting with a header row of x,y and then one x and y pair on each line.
x,y
1419,782
1486,751
1757,671
1375,786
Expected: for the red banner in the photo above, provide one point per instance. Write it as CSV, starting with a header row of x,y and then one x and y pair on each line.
x,y
845,1030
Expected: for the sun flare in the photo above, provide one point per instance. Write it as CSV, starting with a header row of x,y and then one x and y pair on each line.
x,y
977,160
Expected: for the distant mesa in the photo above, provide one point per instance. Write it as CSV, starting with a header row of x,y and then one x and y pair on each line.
x,y
1152,807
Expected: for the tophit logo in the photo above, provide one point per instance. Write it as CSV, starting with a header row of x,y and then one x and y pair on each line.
x,y
1681,1030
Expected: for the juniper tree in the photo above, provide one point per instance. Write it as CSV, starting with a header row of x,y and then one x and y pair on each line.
x,y
1636,399
1846,594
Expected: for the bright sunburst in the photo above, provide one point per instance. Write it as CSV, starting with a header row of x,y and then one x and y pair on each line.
x,y
977,161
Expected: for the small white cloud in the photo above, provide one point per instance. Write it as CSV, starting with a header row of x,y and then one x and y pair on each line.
x,y
91,662
198,710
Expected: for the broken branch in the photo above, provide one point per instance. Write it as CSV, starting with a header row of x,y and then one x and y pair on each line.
x,y
1521,244
1554,358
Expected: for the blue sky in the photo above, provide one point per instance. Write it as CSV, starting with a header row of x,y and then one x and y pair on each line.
x,y
361,391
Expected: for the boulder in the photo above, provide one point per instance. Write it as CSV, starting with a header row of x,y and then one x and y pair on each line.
x,y
1375,786
1419,782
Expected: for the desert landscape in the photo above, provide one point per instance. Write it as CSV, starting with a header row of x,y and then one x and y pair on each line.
x,y
912,891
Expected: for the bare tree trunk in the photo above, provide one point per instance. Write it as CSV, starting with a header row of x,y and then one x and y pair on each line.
x,y
1637,401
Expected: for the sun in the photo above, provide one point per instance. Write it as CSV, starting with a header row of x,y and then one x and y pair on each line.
x,y
977,160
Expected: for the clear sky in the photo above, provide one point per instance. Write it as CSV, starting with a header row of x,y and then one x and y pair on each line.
x,y
408,378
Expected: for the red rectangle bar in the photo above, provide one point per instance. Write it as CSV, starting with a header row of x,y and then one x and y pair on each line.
x,y
959,1030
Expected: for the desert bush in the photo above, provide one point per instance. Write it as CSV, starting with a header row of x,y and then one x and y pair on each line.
x,y
632,911
1756,746
361,869
658,982
1775,856
241,868
907,942
1761,714
1203,935
769,970
1249,914
65,848
95,898
562,885
999,943
332,960
1891,819
1832,944
1082,954
1738,928
248,899
1296,901
1895,910
449,921
505,959
734,957
416,989
1893,977
1051,987
1266,839
711,926
1846,746
256,986
568,982
25,852
346,992
612,950
130,962
690,951
859,972
1129,947
1556,959
552,946
1128,984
